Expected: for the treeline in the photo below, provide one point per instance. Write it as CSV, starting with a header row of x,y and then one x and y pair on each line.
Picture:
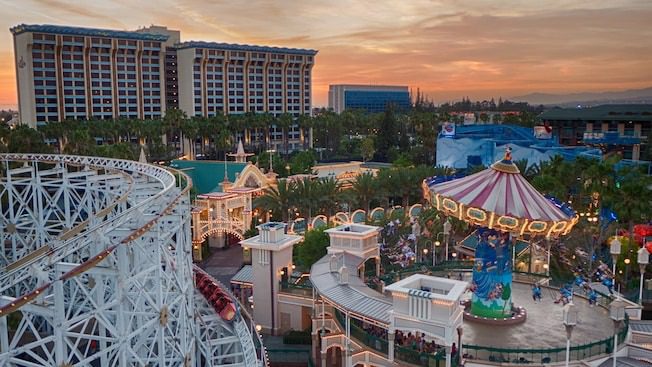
x,y
407,137
308,197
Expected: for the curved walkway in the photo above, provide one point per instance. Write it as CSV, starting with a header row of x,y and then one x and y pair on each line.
x,y
354,296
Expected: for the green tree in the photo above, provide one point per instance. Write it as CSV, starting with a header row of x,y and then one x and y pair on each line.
x,y
278,199
302,162
387,137
367,148
285,122
172,121
631,201
328,195
403,160
305,196
262,161
365,189
24,139
312,248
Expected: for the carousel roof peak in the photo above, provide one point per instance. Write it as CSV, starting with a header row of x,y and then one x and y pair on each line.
x,y
506,164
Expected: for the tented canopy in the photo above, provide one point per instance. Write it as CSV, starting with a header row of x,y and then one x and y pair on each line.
x,y
499,197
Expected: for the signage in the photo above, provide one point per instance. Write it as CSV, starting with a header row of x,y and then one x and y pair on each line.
x,y
448,129
589,136
543,132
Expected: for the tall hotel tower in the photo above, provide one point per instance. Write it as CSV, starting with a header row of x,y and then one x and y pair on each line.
x,y
81,73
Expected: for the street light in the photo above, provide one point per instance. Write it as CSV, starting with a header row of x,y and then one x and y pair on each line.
x,y
614,249
626,261
643,260
460,331
425,253
447,231
617,315
570,320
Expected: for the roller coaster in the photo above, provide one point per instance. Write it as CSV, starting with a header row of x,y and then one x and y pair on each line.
x,y
97,270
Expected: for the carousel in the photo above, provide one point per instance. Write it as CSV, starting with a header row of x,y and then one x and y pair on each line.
x,y
504,207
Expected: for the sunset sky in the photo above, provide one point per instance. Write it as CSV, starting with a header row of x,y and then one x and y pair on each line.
x,y
447,48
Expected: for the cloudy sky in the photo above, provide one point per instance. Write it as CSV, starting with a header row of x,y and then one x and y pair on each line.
x,y
447,48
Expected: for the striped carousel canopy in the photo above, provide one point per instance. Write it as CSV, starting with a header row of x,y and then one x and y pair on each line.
x,y
499,197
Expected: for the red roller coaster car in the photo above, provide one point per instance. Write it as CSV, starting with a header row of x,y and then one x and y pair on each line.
x,y
217,297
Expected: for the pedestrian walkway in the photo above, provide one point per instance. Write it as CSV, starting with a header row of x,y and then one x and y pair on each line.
x,y
222,264
543,327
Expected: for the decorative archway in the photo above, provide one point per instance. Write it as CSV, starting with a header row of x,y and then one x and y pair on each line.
x,y
299,225
340,218
319,221
252,177
377,214
396,212
415,210
230,231
359,216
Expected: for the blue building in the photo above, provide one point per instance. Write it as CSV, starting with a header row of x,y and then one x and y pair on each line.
x,y
371,98
467,146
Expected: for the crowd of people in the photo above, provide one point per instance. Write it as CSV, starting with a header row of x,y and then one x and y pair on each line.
x,y
399,242
418,342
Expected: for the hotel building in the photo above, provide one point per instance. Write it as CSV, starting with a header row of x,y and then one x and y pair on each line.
x,y
232,79
81,73
622,128
371,98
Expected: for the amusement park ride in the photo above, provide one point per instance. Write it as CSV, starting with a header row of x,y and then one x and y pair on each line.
x,y
505,207
97,269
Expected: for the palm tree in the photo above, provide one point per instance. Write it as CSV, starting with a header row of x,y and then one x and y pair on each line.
x,y
444,171
328,195
305,192
219,134
267,122
285,122
475,169
305,126
54,130
529,171
365,189
190,130
173,120
277,199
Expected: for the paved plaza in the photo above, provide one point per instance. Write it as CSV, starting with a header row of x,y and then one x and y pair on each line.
x,y
543,327
222,264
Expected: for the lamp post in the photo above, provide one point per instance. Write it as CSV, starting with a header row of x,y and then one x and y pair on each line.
x,y
614,249
570,320
434,251
626,261
437,243
643,259
459,345
617,314
447,231
425,253
269,155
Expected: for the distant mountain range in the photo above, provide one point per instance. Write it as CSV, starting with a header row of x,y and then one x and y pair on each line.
x,y
588,98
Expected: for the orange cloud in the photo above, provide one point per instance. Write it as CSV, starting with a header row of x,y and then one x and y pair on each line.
x,y
448,49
